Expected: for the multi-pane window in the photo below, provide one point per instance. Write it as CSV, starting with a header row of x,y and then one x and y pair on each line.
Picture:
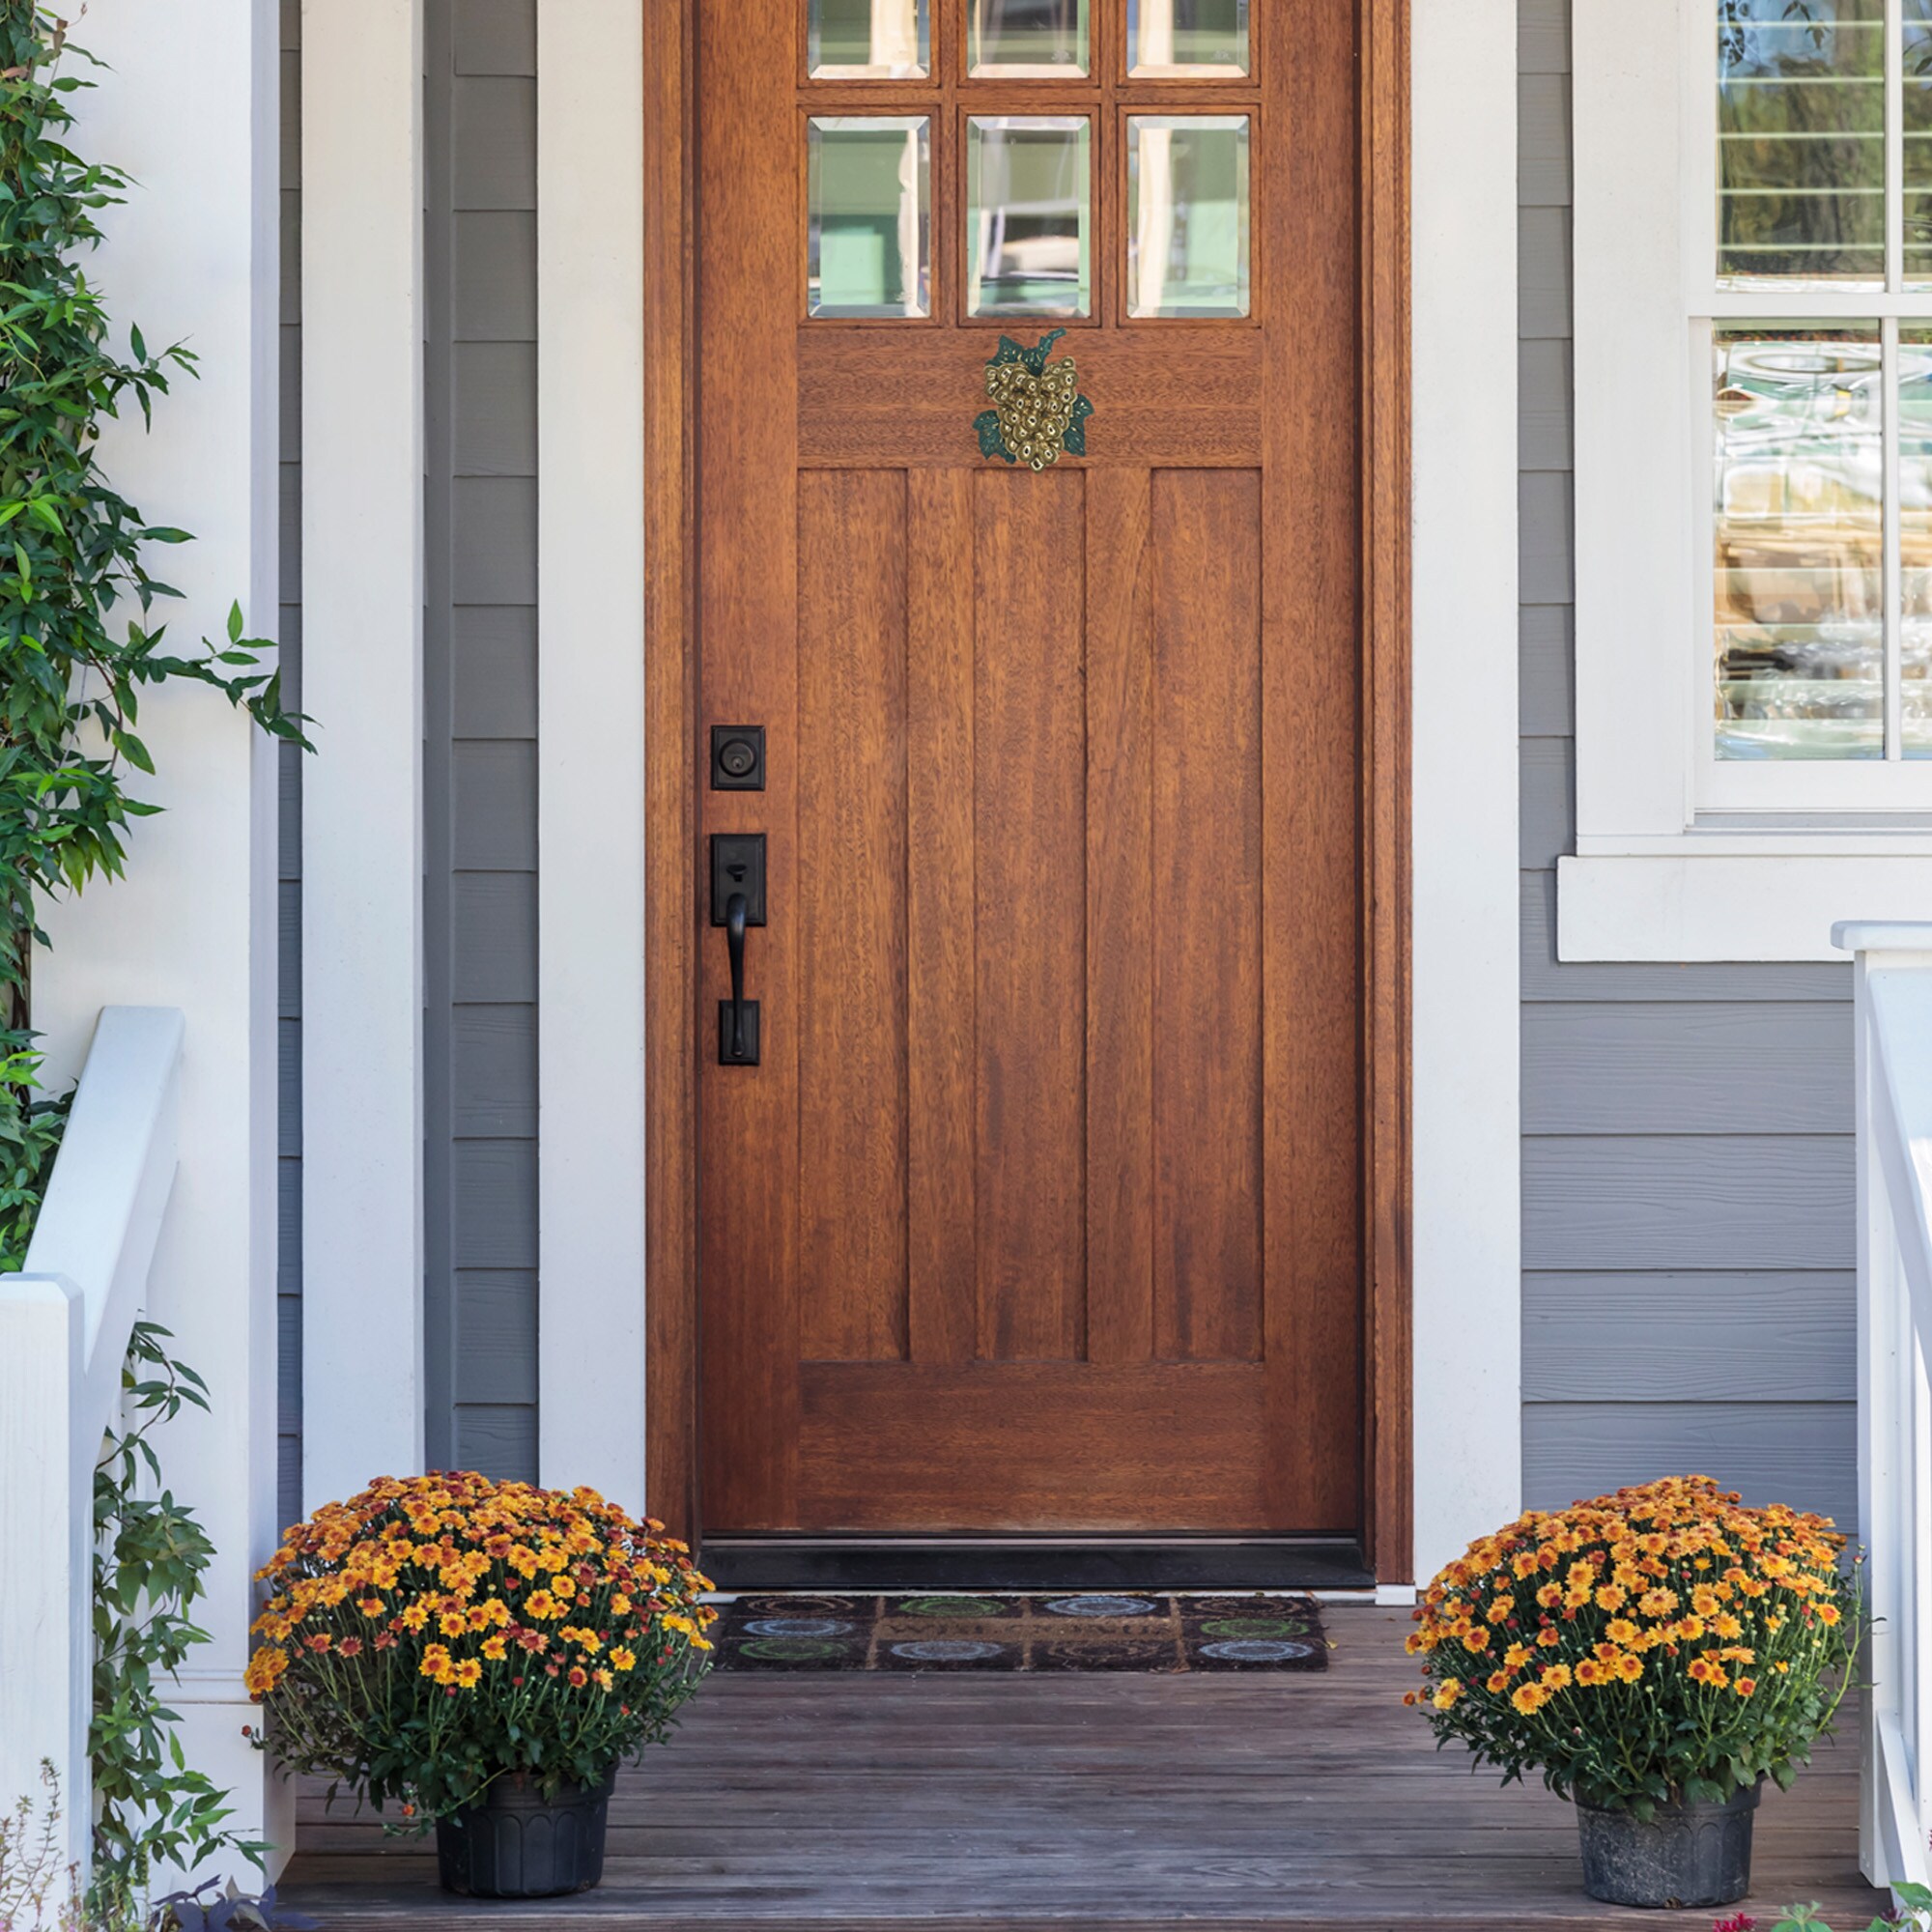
x,y
1818,421
1081,160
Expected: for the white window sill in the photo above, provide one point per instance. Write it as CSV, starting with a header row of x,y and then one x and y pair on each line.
x,y
1744,897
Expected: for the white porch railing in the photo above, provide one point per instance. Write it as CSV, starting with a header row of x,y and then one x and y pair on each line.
x,y
1894,1173
64,1325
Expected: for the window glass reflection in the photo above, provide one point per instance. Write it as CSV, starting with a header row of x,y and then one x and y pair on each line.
x,y
1798,432
870,216
1915,45
1028,37
868,40
1029,214
1801,143
1188,39
1187,214
1914,539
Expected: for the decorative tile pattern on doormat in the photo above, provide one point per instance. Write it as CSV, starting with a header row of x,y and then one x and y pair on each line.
x,y
1077,1630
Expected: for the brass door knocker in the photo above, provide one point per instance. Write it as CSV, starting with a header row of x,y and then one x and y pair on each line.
x,y
1036,411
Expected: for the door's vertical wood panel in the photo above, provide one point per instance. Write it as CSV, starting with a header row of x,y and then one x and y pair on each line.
x,y
1030,912
1120,919
1307,267
852,915
747,590
941,1082
1209,936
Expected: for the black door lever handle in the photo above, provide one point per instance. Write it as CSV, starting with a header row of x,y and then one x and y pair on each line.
x,y
735,911
737,904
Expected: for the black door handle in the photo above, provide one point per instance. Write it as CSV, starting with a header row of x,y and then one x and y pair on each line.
x,y
735,910
737,904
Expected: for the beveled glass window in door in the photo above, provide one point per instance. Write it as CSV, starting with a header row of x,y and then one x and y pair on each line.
x,y
868,40
1016,39
869,215
1029,214
1187,214
1187,39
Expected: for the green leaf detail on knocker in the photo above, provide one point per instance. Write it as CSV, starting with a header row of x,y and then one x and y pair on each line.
x,y
1037,411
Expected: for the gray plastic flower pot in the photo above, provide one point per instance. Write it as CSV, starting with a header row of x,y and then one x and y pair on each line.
x,y
516,1845
1683,1854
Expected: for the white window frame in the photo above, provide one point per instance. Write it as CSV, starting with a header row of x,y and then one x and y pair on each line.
x,y
1678,857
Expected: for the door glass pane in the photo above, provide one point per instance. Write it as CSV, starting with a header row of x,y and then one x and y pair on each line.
x,y
1801,144
1800,628
1187,214
1188,39
1914,539
871,214
868,40
1029,213
1028,37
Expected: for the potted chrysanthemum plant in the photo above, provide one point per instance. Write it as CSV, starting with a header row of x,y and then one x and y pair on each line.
x,y
1656,1655
482,1655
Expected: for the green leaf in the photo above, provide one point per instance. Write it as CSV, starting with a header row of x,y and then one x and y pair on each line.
x,y
992,442
1034,357
1074,442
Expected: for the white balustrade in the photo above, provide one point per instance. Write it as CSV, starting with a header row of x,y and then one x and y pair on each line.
x,y
64,1327
1894,1205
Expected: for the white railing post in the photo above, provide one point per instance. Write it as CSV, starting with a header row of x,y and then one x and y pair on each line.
x,y
46,1646
63,1326
1893,1106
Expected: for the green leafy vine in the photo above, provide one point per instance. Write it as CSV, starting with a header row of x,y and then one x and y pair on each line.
x,y
150,1556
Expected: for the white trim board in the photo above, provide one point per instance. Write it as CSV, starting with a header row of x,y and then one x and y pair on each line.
x,y
1466,1209
1679,909
590,766
362,840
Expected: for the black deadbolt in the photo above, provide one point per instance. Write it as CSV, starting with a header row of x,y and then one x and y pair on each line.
x,y
737,758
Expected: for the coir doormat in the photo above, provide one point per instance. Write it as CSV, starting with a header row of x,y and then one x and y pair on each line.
x,y
1073,1632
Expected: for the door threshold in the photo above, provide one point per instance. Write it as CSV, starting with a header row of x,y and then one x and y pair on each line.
x,y
737,1563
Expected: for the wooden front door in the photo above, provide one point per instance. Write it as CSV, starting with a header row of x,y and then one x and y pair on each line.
x,y
1041,1210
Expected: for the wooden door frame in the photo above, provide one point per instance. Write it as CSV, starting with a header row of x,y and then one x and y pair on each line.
x,y
671,766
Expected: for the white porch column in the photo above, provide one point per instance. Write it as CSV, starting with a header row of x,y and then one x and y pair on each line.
x,y
590,775
1467,1199
362,857
188,105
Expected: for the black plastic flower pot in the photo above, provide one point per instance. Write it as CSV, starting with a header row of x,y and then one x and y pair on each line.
x,y
518,1845
1683,1854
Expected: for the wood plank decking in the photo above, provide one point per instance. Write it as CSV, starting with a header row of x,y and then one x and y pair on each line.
x,y
1083,1802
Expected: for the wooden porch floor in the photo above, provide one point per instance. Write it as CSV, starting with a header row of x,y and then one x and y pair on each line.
x,y
1083,1802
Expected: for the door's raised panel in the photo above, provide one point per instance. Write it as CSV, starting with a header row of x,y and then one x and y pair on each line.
x,y
1033,1446
1029,787
1120,918
1208,937
851,915
941,1047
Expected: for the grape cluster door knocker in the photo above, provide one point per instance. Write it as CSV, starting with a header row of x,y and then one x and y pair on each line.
x,y
1038,410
